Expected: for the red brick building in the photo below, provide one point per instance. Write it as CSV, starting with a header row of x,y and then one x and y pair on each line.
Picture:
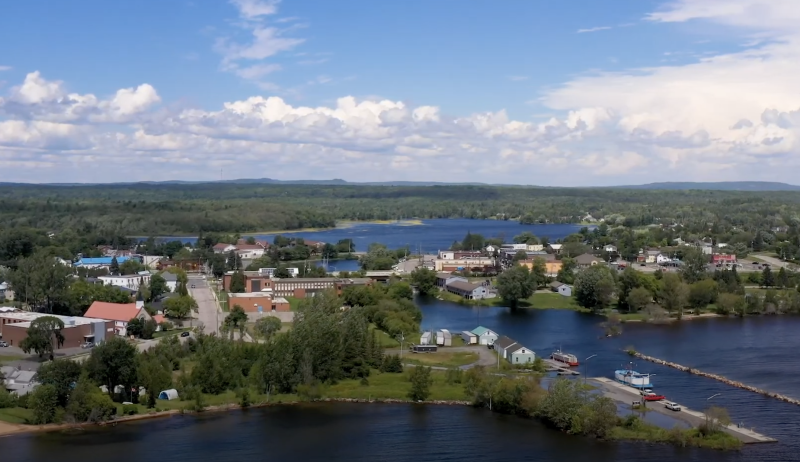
x,y
291,287
77,330
251,301
720,258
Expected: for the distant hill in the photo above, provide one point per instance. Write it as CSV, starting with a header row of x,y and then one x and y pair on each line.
x,y
718,186
753,186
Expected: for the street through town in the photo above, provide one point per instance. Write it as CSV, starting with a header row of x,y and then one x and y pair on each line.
x,y
207,308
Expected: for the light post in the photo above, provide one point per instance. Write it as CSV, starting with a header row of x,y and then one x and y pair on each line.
x,y
402,339
584,367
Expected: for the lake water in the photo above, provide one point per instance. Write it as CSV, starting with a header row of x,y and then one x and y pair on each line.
x,y
430,236
340,433
758,351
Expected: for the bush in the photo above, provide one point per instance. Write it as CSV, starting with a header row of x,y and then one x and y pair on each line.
x,y
130,409
391,364
7,399
454,375
22,401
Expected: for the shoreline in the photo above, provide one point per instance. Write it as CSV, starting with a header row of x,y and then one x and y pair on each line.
x,y
343,224
9,429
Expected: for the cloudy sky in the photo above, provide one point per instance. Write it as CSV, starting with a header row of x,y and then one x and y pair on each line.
x,y
544,93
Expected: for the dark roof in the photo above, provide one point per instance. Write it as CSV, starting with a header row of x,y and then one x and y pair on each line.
x,y
168,276
586,259
464,286
504,342
443,275
556,284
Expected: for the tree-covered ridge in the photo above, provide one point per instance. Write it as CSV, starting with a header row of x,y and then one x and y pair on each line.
x,y
146,209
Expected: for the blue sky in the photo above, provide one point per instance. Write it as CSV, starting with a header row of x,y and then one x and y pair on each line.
x,y
589,91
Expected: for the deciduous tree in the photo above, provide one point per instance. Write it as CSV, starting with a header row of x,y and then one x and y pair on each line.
x,y
674,294
179,307
62,374
425,280
515,284
44,336
267,326
113,363
594,287
421,381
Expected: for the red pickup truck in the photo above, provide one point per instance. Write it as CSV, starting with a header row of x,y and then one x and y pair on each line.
x,y
650,396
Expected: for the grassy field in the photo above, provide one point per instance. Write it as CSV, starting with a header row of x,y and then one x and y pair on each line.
x,y
442,358
393,386
386,341
294,303
167,333
540,300
9,358
15,415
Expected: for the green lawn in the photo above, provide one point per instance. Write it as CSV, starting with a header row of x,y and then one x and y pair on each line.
x,y
16,415
294,302
441,358
386,341
223,300
549,300
167,333
393,386
9,358
553,300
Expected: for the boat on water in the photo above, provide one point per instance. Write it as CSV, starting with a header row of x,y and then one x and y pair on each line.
x,y
632,378
565,358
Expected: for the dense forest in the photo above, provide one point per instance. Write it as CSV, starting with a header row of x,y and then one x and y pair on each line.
x,y
152,209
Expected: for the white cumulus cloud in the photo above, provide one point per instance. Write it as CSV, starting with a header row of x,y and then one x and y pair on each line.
x,y
731,116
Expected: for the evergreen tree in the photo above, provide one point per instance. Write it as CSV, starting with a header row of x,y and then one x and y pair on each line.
x,y
767,278
114,268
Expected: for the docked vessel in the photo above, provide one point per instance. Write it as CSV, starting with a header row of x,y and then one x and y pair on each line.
x,y
632,378
565,358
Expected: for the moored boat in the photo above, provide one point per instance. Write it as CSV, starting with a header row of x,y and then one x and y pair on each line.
x,y
565,358
632,378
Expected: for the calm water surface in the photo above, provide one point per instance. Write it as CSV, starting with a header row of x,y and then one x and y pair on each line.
x,y
340,432
431,235
760,351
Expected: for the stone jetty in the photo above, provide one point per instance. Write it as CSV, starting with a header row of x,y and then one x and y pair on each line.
x,y
716,377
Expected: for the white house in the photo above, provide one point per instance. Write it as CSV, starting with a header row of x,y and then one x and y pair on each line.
x,y
224,248
171,279
565,290
491,249
129,281
556,248
534,247
662,258
484,336
610,248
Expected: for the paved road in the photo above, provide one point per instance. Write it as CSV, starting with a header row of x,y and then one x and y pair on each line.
x,y
776,262
626,395
207,308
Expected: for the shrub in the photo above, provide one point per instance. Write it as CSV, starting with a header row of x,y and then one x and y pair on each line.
x,y
130,409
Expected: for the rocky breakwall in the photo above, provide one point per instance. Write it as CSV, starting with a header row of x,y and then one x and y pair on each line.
x,y
716,377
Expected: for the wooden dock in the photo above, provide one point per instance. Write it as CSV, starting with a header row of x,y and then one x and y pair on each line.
x,y
625,394
559,367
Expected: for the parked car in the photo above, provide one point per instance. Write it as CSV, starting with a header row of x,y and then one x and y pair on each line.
x,y
87,345
673,406
192,286
185,334
650,396
3,344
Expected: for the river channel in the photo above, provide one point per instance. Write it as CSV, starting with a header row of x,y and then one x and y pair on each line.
x,y
758,351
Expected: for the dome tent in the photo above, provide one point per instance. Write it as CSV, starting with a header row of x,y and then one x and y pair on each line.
x,y
168,394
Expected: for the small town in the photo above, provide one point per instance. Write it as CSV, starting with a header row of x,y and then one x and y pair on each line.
x,y
316,231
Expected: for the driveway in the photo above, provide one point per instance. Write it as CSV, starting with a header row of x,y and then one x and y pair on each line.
x,y
207,307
